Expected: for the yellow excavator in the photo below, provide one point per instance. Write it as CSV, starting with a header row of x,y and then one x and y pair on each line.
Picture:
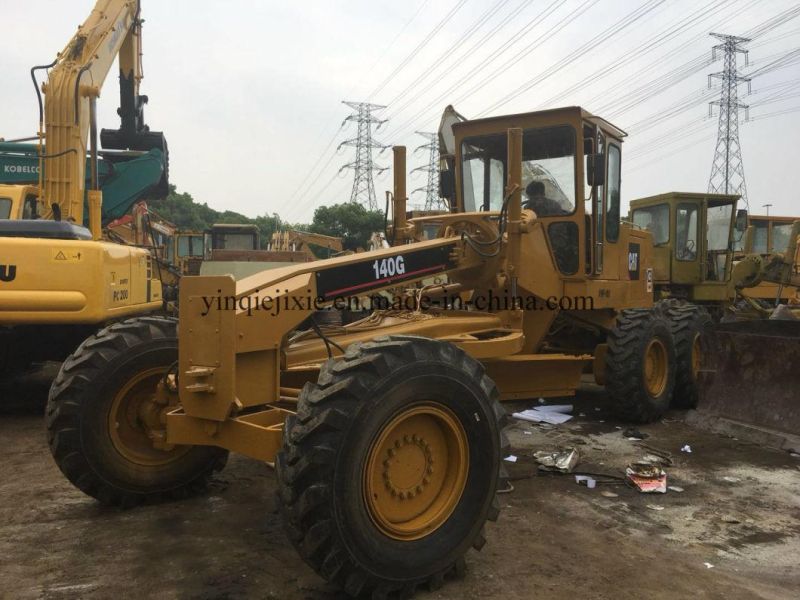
x,y
61,280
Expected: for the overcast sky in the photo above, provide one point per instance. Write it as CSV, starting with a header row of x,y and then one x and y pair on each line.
x,y
249,93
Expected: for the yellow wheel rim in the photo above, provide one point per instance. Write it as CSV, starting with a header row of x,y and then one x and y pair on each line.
x,y
135,421
416,472
656,368
696,356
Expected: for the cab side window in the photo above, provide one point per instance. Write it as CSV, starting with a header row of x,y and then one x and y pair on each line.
x,y
613,193
5,208
30,207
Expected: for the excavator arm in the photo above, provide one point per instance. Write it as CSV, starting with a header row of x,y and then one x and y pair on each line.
x,y
69,117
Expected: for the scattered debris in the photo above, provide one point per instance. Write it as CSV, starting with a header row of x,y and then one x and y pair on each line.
x,y
654,459
730,479
555,414
708,565
792,454
527,433
563,460
506,490
663,454
647,478
608,494
655,507
634,434
687,448
730,519
675,488
589,482
510,458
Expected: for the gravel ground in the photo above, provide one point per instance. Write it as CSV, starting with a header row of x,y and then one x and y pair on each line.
x,y
739,512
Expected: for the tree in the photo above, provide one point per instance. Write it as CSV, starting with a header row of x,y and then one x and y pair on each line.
x,y
188,215
349,221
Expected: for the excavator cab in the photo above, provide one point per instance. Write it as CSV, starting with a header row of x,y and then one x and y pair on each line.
x,y
19,202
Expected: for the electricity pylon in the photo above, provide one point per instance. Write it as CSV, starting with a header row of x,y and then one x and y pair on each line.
x,y
363,165
727,169
431,189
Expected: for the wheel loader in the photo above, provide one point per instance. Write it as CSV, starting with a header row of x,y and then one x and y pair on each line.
x,y
59,280
386,434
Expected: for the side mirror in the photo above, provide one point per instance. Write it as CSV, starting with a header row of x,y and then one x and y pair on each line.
x,y
741,220
596,169
447,185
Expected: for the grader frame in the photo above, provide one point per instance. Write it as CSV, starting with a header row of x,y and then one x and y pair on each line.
x,y
386,433
234,359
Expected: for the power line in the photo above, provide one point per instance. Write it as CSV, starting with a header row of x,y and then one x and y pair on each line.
x,y
441,61
418,48
628,56
391,44
446,66
524,33
593,43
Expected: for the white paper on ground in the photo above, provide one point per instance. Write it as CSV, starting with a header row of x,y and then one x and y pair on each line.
x,y
559,408
539,416
511,458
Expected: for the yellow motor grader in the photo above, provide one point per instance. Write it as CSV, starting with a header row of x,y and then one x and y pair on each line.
x,y
386,433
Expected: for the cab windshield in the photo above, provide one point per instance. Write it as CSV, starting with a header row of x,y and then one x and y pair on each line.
x,y
190,245
548,171
222,240
654,219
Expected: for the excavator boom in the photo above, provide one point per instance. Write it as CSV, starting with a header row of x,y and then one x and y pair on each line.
x,y
112,29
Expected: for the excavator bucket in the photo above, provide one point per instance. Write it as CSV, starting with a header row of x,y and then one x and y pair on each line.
x,y
141,141
750,382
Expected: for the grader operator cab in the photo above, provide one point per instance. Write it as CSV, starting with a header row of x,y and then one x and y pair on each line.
x,y
387,433
693,236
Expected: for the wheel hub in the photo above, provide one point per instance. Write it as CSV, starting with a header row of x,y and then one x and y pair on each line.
x,y
656,369
137,420
408,466
416,472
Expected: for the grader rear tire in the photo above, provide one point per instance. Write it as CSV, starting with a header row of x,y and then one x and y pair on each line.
x,y
688,323
640,365
389,470
101,415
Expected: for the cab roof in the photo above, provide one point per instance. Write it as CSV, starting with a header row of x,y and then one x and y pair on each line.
x,y
566,113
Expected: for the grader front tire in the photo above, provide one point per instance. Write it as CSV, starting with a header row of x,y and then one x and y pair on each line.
x,y
390,468
101,417
640,365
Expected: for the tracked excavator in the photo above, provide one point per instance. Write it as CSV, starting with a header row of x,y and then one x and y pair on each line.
x,y
61,280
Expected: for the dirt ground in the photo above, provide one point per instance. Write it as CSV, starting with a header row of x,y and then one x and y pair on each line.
x,y
739,513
